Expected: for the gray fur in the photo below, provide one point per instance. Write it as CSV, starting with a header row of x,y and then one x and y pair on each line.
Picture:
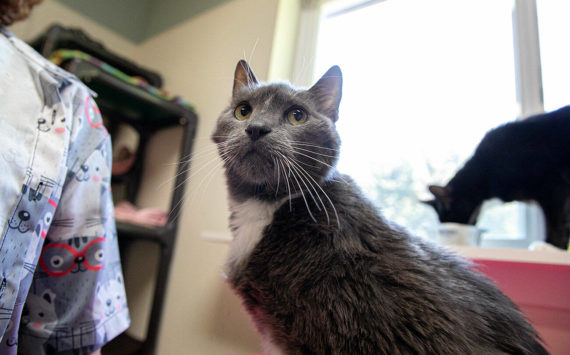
x,y
329,275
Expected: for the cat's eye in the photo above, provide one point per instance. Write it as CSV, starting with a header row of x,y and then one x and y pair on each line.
x,y
297,116
243,111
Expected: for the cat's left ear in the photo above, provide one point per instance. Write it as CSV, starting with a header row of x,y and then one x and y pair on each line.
x,y
328,92
244,76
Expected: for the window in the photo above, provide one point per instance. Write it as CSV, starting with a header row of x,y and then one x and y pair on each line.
x,y
423,82
554,30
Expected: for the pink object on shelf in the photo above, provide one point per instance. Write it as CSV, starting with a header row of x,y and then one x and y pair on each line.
x,y
542,291
124,161
127,212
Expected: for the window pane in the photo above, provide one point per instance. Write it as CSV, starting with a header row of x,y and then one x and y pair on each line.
x,y
423,82
554,30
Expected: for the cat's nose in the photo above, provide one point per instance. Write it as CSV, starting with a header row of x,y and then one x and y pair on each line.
x,y
256,130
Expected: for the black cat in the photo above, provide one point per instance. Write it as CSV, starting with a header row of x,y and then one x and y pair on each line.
x,y
318,269
523,160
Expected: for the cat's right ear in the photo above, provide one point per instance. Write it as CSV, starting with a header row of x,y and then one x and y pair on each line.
x,y
243,77
328,92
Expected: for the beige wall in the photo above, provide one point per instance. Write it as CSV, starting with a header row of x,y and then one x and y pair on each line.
x,y
197,59
202,316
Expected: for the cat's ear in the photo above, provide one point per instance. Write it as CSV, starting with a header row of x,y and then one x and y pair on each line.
x,y
328,91
48,296
244,76
442,194
429,202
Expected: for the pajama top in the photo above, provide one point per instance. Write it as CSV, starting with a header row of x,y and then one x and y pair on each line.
x,y
61,284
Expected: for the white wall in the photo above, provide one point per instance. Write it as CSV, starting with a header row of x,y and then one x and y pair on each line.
x,y
197,59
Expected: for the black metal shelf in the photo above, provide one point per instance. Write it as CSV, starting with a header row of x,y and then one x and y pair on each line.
x,y
129,103
124,344
59,37
122,102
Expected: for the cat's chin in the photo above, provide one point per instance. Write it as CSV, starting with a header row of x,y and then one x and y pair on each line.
x,y
256,167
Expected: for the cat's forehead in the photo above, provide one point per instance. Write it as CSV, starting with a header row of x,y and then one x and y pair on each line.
x,y
274,95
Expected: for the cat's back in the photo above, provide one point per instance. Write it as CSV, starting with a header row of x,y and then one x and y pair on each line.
x,y
531,148
538,132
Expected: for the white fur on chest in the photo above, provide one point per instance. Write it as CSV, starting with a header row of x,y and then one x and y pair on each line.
x,y
248,221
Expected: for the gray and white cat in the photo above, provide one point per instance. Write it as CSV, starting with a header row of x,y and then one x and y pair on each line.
x,y
318,269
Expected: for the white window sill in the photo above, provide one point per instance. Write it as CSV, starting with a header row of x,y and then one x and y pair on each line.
x,y
514,255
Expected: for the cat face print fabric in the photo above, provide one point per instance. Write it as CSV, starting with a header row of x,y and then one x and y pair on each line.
x,y
59,258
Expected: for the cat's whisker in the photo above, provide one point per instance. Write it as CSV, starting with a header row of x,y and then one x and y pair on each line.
x,y
303,195
209,137
210,150
278,175
205,165
202,154
174,177
311,187
311,145
313,158
209,177
297,170
295,174
288,186
229,157
286,178
182,160
313,183
317,160
250,60
313,152
225,147
177,207
322,190
330,201
193,156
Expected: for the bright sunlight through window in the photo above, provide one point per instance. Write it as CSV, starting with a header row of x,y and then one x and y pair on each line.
x,y
554,30
423,82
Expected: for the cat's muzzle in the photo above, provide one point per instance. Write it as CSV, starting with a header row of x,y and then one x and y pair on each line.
x,y
257,165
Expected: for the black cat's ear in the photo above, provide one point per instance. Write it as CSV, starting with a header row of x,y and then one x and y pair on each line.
x,y
442,194
328,92
244,76
428,202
